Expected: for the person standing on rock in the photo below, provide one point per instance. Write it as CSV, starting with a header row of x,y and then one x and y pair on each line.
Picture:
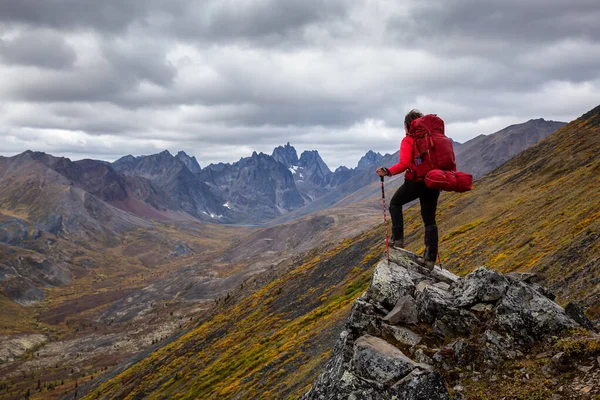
x,y
412,189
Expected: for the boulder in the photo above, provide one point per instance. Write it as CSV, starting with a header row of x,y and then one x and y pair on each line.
x,y
523,311
433,303
377,360
405,312
482,285
421,385
361,315
390,282
578,315
455,322
401,335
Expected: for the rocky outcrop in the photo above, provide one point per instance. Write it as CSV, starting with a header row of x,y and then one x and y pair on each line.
x,y
412,326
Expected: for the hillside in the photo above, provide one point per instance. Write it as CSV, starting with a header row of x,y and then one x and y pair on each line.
x,y
254,340
538,211
483,153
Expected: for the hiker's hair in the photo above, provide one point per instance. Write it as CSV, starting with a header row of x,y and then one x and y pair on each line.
x,y
411,116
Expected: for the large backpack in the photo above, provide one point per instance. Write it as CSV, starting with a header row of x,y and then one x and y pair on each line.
x,y
433,157
431,148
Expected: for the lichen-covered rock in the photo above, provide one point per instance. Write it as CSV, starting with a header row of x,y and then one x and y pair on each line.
x,y
390,282
401,335
482,285
361,315
405,312
433,302
421,385
525,312
377,360
455,322
576,313
428,308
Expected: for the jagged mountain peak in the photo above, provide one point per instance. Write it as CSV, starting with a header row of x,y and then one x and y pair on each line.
x,y
190,162
369,159
286,155
310,158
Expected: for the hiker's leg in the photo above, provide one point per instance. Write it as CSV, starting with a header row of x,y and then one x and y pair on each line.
x,y
405,194
429,199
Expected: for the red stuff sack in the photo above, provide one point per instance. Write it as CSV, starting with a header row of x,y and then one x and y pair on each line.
x,y
449,181
464,182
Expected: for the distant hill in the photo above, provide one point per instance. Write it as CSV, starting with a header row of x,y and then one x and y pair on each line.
x,y
483,153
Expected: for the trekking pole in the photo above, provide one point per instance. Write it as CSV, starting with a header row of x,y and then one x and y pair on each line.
x,y
387,243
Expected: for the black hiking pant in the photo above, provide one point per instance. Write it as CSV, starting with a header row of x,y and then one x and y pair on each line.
x,y
406,193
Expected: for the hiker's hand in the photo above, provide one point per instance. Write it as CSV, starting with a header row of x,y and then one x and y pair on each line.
x,y
382,171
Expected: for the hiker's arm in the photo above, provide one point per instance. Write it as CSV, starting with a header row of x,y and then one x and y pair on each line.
x,y
406,153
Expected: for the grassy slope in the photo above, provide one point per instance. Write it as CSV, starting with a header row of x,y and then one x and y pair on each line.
x,y
539,211
271,343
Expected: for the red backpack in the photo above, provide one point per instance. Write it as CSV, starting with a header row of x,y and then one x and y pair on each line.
x,y
433,156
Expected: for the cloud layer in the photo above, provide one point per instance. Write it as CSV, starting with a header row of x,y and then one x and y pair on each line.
x,y
221,78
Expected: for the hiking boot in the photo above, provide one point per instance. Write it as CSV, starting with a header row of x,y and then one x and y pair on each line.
x,y
429,257
396,243
431,246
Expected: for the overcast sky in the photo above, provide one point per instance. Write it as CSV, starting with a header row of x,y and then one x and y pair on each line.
x,y
222,78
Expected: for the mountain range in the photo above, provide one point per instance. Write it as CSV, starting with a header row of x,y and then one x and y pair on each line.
x,y
275,335
137,252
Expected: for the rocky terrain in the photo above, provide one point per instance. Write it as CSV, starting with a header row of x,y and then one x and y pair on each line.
x,y
416,334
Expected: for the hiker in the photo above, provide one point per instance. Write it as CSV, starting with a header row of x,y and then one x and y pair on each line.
x,y
412,189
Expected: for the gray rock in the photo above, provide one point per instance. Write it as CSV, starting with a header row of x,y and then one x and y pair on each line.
x,y
544,291
493,337
422,285
421,385
525,313
377,360
413,263
361,315
463,352
482,308
390,282
578,315
528,277
455,322
422,358
482,285
405,312
402,335
433,303
442,285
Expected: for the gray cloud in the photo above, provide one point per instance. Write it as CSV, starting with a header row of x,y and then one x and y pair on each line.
x,y
105,16
221,78
39,48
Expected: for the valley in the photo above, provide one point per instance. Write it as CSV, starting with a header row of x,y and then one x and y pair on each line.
x,y
103,267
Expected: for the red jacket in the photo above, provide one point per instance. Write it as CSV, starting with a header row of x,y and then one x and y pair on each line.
x,y
406,156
